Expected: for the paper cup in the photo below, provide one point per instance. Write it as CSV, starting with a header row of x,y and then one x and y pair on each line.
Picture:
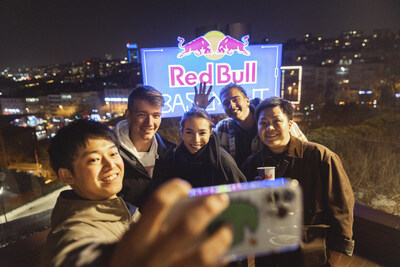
x,y
266,173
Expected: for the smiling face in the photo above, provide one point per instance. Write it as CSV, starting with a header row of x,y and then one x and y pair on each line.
x,y
195,133
98,170
236,104
273,129
144,120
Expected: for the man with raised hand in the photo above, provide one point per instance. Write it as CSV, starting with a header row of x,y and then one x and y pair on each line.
x,y
238,133
144,152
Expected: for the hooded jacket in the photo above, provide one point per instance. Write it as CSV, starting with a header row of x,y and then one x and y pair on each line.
x,y
137,184
84,232
211,165
328,198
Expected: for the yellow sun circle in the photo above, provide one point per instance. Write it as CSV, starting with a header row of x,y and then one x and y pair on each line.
x,y
214,37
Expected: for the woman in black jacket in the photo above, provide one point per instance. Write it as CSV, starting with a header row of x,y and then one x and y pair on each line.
x,y
199,159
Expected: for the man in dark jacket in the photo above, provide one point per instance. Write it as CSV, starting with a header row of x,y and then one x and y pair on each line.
x,y
144,152
328,196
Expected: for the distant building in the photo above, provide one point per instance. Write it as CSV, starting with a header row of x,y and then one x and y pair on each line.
x,y
116,100
351,68
133,53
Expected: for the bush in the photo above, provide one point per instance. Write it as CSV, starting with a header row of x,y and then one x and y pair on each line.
x,y
370,153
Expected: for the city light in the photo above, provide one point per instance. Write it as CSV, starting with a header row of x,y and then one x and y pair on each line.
x,y
12,110
116,99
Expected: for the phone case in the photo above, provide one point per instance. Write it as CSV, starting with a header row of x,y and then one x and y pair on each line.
x,y
266,216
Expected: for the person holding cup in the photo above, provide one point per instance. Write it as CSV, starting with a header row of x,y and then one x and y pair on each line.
x,y
199,159
328,200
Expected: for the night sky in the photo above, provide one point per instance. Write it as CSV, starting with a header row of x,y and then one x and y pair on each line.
x,y
41,32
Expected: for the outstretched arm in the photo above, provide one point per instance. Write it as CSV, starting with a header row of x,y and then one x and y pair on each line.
x,y
152,242
201,96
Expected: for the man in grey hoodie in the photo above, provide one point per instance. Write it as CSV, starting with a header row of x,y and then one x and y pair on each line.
x,y
144,152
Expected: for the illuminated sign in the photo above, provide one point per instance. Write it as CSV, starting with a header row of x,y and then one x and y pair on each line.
x,y
116,99
131,46
291,83
215,59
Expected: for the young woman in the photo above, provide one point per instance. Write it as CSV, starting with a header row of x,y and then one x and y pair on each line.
x,y
199,159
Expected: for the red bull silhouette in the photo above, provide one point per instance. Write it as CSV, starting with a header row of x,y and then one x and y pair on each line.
x,y
199,46
229,45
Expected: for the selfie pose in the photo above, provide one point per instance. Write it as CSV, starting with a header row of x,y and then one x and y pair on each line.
x,y
199,159
92,226
328,196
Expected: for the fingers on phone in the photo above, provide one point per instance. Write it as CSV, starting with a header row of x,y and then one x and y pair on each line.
x,y
160,204
209,252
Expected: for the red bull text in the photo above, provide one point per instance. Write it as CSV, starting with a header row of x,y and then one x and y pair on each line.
x,y
218,74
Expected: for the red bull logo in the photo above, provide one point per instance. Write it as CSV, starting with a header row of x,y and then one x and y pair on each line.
x,y
199,46
214,45
229,45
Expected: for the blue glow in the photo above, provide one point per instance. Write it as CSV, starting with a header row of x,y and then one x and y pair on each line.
x,y
398,95
361,92
131,46
368,92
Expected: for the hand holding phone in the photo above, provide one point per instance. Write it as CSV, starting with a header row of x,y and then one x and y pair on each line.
x,y
266,216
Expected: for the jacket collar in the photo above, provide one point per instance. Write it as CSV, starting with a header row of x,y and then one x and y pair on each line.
x,y
296,148
164,146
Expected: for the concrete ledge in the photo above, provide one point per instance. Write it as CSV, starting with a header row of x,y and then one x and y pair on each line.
x,y
26,252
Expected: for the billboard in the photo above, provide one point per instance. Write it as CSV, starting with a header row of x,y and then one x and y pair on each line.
x,y
215,59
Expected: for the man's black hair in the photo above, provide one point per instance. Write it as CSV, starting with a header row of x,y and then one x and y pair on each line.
x,y
285,105
64,146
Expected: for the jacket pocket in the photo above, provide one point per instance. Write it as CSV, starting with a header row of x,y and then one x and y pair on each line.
x,y
313,246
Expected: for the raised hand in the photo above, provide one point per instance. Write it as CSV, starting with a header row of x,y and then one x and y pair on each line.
x,y
201,96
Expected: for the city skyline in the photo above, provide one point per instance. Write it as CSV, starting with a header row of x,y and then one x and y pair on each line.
x,y
43,32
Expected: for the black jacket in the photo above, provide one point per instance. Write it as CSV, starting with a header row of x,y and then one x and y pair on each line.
x,y
211,165
137,184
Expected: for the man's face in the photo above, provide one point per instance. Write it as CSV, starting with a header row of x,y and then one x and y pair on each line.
x,y
98,170
196,134
144,120
236,104
273,129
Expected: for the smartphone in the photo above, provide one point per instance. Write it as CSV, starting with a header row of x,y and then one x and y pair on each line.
x,y
266,216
